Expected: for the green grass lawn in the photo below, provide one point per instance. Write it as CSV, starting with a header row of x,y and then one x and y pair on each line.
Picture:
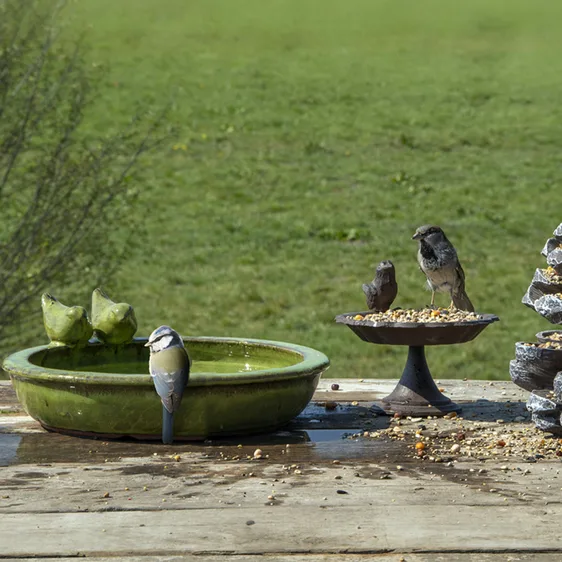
x,y
314,137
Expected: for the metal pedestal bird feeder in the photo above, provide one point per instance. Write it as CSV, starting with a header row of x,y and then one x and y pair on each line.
x,y
416,394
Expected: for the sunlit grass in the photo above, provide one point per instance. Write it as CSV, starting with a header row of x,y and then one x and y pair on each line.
x,y
314,137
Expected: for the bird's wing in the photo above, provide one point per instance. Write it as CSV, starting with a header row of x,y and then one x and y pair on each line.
x,y
100,304
419,257
372,294
460,275
170,372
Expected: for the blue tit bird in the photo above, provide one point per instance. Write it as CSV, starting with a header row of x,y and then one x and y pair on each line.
x,y
65,325
114,323
169,368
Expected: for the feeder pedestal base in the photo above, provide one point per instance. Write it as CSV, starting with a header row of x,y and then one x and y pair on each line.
x,y
416,394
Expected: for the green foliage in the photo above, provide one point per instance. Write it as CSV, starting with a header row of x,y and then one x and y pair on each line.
x,y
314,137
63,193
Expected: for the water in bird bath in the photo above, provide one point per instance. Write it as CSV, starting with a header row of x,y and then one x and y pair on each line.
x,y
133,359
141,367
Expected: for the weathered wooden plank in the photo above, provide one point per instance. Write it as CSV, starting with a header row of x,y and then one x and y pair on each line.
x,y
365,390
8,400
483,400
17,423
376,389
287,557
293,497
315,417
345,416
197,483
267,529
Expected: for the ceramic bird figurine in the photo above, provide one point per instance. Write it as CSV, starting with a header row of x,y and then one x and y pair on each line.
x,y
114,323
382,291
169,368
438,259
65,325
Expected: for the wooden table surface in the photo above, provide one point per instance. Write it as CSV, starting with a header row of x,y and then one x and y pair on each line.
x,y
316,495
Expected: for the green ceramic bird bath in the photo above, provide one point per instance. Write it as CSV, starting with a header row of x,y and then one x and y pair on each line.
x,y
237,386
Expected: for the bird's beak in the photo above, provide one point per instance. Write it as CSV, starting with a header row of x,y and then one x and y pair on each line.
x,y
416,236
147,344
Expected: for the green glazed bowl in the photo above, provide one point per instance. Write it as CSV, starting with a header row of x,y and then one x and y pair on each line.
x,y
236,386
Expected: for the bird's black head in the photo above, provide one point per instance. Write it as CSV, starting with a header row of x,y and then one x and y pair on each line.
x,y
425,231
385,264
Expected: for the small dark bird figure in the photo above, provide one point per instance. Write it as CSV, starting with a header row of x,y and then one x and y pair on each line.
x,y
438,259
169,367
382,291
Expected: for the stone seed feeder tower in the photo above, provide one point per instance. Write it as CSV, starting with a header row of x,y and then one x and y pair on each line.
x,y
537,366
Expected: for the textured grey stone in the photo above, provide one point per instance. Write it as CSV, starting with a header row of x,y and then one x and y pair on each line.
x,y
531,296
539,359
551,243
540,286
557,384
525,375
545,413
558,231
550,306
554,259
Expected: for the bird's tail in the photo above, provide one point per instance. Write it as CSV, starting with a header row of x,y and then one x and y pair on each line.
x,y
462,302
167,426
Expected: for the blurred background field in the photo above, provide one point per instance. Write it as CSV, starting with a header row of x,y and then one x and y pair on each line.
x,y
313,138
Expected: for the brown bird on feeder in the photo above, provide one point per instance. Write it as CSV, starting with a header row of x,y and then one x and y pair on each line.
x,y
382,291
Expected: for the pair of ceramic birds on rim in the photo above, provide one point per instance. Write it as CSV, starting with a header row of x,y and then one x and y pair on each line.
x,y
113,323
439,262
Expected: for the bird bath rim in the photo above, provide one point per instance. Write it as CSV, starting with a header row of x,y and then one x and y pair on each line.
x,y
307,360
118,404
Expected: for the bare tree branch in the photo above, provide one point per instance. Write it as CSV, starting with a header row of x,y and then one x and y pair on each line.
x,y
60,192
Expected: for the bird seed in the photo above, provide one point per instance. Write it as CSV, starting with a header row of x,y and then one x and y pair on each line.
x,y
425,315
